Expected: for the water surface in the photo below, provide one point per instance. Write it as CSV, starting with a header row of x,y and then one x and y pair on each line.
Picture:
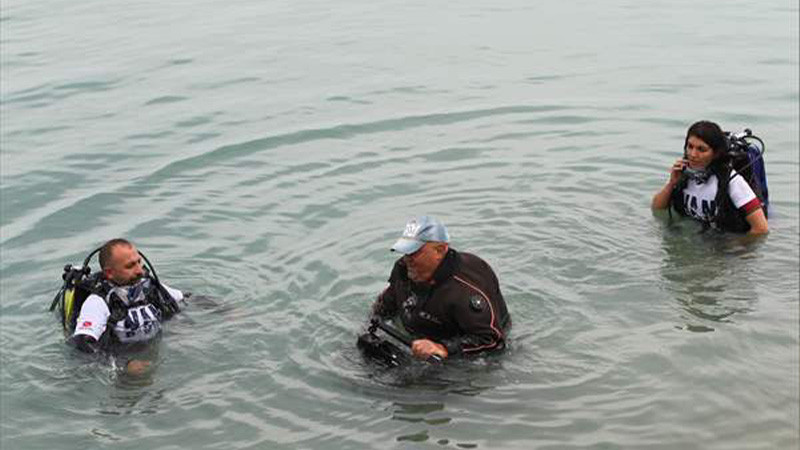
x,y
267,155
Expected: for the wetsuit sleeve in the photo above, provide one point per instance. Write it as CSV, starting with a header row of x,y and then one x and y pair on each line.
x,y
476,317
385,306
93,318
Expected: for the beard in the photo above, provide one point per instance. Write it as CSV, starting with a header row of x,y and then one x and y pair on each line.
x,y
128,281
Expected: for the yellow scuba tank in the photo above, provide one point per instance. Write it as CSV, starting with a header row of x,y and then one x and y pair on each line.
x,y
68,308
78,284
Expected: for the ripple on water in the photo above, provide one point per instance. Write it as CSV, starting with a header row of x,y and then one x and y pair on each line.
x,y
288,233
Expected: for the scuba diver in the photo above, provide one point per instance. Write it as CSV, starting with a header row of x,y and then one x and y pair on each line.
x,y
720,181
123,305
449,301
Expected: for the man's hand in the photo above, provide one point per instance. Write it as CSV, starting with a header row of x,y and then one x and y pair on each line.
x,y
137,367
424,348
84,343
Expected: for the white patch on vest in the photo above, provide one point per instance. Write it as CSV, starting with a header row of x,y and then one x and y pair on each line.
x,y
142,323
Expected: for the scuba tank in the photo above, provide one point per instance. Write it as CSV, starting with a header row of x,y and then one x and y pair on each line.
x,y
79,283
746,153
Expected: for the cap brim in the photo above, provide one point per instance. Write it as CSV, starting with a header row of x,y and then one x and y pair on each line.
x,y
407,246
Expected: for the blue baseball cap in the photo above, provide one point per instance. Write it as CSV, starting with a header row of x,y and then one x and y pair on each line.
x,y
420,230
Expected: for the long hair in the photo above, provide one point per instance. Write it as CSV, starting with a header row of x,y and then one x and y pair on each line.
x,y
710,133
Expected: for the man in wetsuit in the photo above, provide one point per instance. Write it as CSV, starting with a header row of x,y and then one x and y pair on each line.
x,y
449,300
130,307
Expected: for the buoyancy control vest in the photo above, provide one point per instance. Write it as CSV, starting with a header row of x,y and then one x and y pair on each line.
x,y
80,283
745,155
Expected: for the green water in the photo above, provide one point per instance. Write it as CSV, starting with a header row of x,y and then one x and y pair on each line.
x,y
268,154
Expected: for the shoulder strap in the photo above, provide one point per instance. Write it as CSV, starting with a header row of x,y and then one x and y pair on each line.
x,y
161,299
727,216
676,198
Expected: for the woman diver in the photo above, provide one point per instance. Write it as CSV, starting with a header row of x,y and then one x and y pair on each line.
x,y
703,185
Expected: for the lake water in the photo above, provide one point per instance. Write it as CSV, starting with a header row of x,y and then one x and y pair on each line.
x,y
267,154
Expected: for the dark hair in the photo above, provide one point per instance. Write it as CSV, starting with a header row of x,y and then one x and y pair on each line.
x,y
105,251
711,134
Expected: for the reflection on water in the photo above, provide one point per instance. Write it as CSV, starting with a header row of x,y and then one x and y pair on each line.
x,y
130,396
424,413
419,412
129,391
431,415
104,435
708,275
424,396
274,178
422,436
461,376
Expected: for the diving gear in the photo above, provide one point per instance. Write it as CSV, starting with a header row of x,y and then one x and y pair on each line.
x,y
386,352
746,154
381,350
698,175
80,283
744,157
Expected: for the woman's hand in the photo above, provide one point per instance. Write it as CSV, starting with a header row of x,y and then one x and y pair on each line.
x,y
675,172
661,199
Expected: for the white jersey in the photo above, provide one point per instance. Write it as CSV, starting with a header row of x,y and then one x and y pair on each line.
x,y
141,323
699,199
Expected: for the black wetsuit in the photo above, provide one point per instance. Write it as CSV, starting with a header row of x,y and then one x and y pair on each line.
x,y
463,309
